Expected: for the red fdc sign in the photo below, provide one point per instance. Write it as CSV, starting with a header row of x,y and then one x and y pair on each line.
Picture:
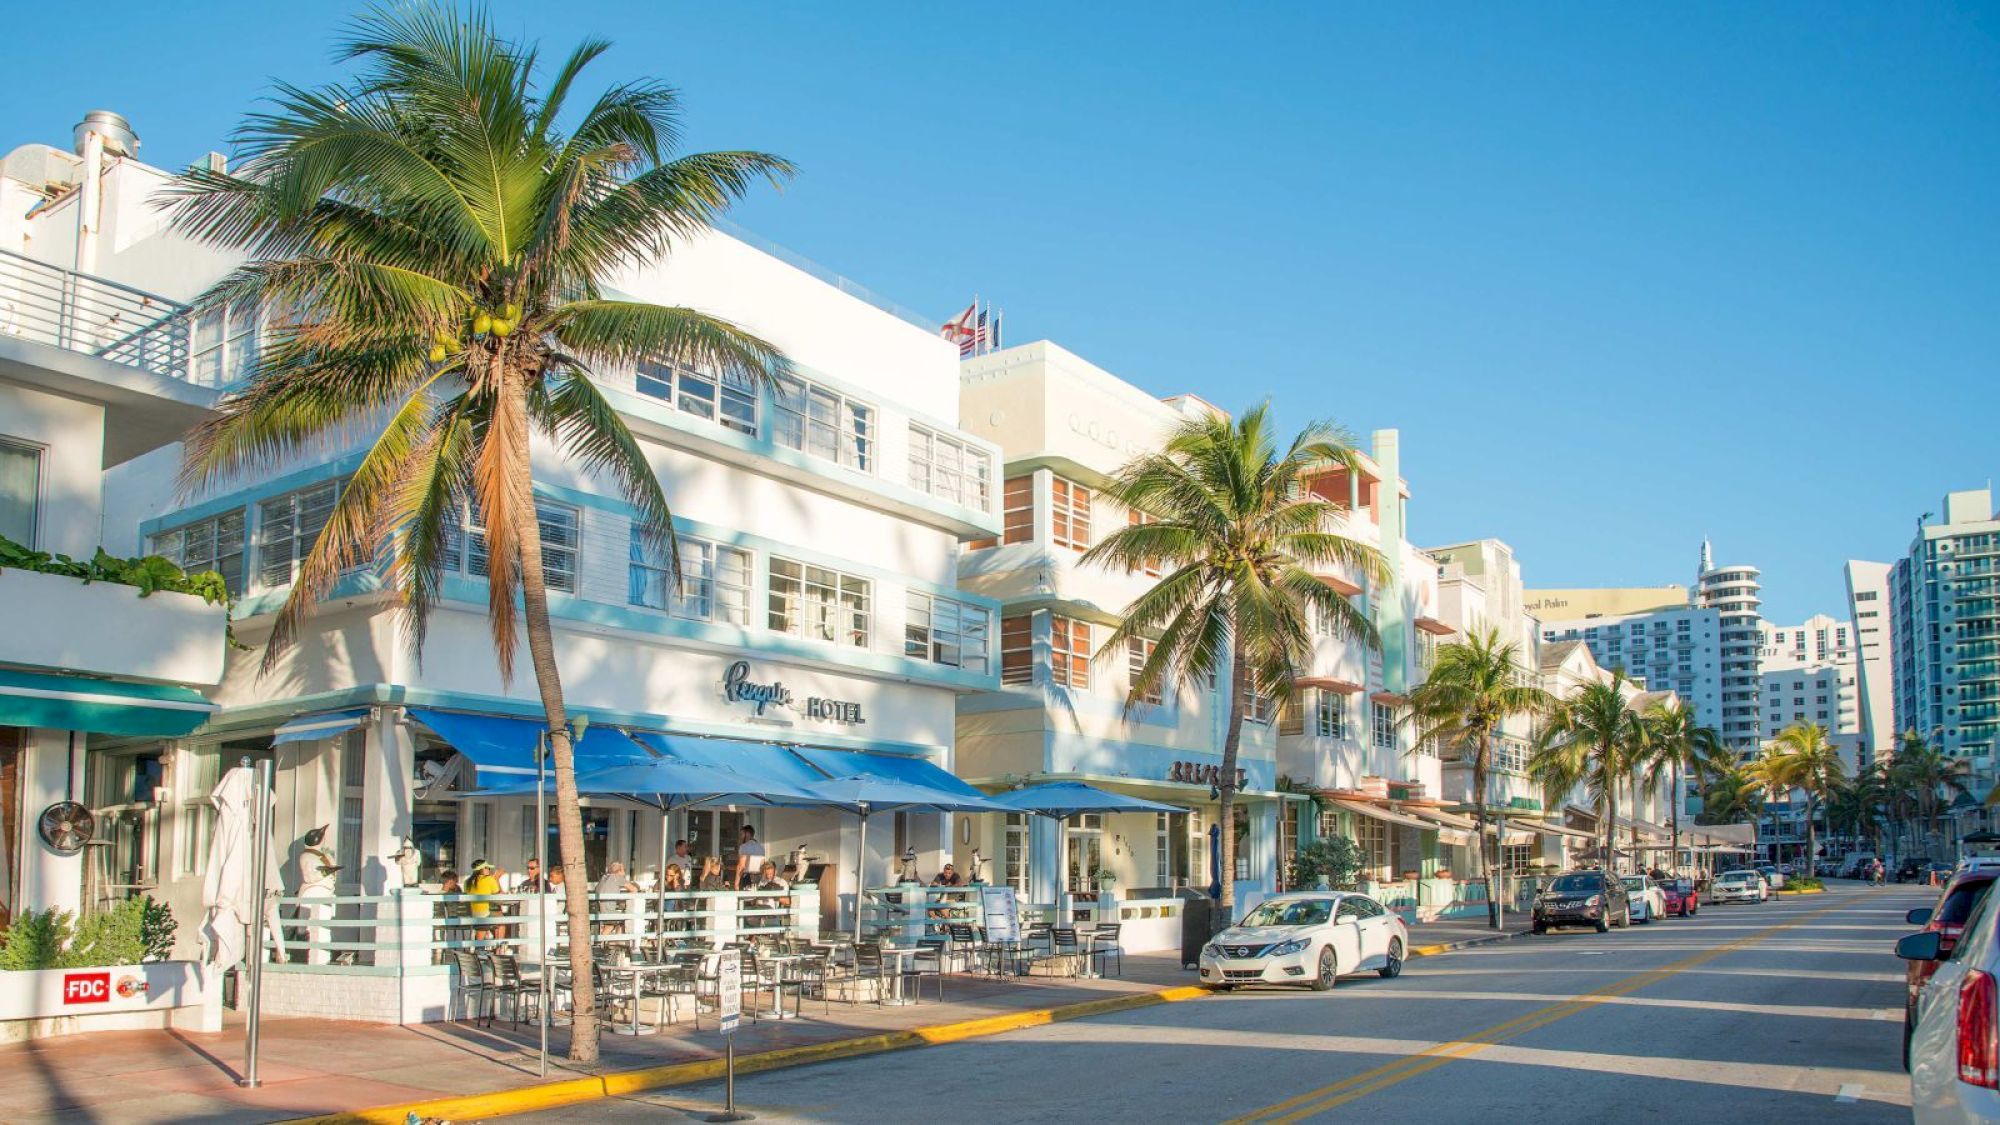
x,y
86,988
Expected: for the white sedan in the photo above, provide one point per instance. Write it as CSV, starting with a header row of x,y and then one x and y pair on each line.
x,y
1955,1043
1310,938
1740,886
1648,900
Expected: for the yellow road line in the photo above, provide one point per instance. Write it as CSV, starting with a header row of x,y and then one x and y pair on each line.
x,y
1389,1074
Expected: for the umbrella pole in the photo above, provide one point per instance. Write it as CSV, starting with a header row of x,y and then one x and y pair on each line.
x,y
860,867
260,857
660,877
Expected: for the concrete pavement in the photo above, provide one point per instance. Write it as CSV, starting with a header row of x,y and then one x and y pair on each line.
x,y
1780,1012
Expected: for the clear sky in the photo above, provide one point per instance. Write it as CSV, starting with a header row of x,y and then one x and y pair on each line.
x,y
1621,274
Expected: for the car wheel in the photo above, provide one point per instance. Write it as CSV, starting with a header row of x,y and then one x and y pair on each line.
x,y
1394,968
1604,925
1323,980
1541,928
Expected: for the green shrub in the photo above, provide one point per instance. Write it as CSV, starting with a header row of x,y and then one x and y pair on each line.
x,y
1336,859
1803,883
54,939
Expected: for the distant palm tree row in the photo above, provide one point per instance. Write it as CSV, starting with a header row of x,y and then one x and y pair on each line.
x,y
1897,805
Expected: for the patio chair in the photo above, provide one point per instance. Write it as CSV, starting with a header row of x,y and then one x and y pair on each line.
x,y
511,983
1104,946
869,964
1065,948
966,943
818,973
471,983
933,954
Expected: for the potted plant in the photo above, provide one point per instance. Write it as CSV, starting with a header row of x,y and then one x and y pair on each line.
x,y
123,953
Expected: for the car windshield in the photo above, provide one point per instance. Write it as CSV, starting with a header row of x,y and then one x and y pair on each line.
x,y
1635,882
1576,884
1290,912
1738,877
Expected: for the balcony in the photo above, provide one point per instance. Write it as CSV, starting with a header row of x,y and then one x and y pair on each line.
x,y
88,338
106,629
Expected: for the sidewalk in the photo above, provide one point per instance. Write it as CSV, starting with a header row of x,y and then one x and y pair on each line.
x,y
322,1066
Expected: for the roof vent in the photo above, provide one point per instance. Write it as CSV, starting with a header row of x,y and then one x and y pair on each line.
x,y
119,139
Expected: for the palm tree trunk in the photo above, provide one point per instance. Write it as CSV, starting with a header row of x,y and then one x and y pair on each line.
x,y
1611,823
569,812
1232,739
1812,831
1480,758
1674,863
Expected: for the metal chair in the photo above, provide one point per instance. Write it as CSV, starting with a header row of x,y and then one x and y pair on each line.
x,y
1104,946
930,961
507,981
966,943
869,964
1065,947
472,993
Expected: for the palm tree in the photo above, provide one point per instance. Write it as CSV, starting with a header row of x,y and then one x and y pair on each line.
x,y
1474,687
1590,739
434,242
1928,773
1240,536
1733,796
1801,758
1675,741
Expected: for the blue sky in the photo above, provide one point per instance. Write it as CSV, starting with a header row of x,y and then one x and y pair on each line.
x,y
1622,275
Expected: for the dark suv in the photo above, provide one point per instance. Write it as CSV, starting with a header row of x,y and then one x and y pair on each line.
x,y
1583,898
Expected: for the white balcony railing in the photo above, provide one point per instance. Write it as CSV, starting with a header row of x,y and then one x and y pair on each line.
x,y
50,305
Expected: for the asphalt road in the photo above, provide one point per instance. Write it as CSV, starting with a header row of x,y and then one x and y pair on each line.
x,y
1788,1011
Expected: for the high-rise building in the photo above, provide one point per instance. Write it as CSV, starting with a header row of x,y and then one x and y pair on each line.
x,y
1733,592
1677,649
1868,609
1944,597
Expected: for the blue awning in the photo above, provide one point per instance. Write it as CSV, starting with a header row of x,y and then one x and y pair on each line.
x,y
327,724
751,759
30,699
893,767
501,745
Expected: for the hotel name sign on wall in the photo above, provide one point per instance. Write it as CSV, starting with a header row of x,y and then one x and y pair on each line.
x,y
763,698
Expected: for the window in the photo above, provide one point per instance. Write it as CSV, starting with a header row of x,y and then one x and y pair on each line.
x,y
1163,867
1258,706
813,601
949,469
201,769
1373,837
1330,714
224,347
214,544
1014,856
730,400
715,580
1069,652
1069,506
20,491
1138,650
1017,650
465,546
287,527
1151,567
947,632
822,422
1384,719
347,844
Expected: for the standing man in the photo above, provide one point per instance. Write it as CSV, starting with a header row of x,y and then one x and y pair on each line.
x,y
749,859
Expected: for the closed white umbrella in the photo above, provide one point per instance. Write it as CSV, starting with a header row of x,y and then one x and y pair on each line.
x,y
227,887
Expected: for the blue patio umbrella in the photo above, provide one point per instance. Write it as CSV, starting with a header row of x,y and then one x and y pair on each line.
x,y
864,795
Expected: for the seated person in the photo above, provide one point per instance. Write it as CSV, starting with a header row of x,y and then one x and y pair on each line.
x,y
949,877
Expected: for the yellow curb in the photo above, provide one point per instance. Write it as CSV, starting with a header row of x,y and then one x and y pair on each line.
x,y
1803,891
552,1095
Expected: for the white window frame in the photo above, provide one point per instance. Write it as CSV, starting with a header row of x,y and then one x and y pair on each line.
x,y
716,581
819,598
1330,715
940,630
728,400
172,544
38,455
301,514
1382,721
1138,650
224,344
822,422
950,468
465,546
198,770
1017,853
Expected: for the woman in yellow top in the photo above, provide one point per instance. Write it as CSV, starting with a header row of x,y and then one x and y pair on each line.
x,y
484,882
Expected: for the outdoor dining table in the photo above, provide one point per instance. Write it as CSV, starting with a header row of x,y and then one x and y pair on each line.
x,y
903,955
638,971
779,962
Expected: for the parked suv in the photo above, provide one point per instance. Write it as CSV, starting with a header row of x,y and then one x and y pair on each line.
x,y
1583,898
1947,920
1911,870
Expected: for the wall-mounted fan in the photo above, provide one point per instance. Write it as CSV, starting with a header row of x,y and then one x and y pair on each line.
x,y
66,827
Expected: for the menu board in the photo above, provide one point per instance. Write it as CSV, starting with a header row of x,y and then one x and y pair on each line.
x,y
1001,914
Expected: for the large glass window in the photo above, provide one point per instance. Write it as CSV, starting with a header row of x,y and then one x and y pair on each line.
x,y
1138,650
213,544
20,491
824,423
465,546
1069,656
714,585
947,632
225,344
1014,860
1017,649
1329,714
200,769
1069,505
730,400
1019,516
950,469
813,601
287,527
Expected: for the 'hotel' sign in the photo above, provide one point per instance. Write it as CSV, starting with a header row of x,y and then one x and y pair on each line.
x,y
737,687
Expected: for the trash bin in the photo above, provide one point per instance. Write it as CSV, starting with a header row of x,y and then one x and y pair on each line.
x,y
1201,920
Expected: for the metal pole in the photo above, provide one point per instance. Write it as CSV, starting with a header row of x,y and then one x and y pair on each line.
x,y
729,1110
260,854
1500,873
860,872
542,894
